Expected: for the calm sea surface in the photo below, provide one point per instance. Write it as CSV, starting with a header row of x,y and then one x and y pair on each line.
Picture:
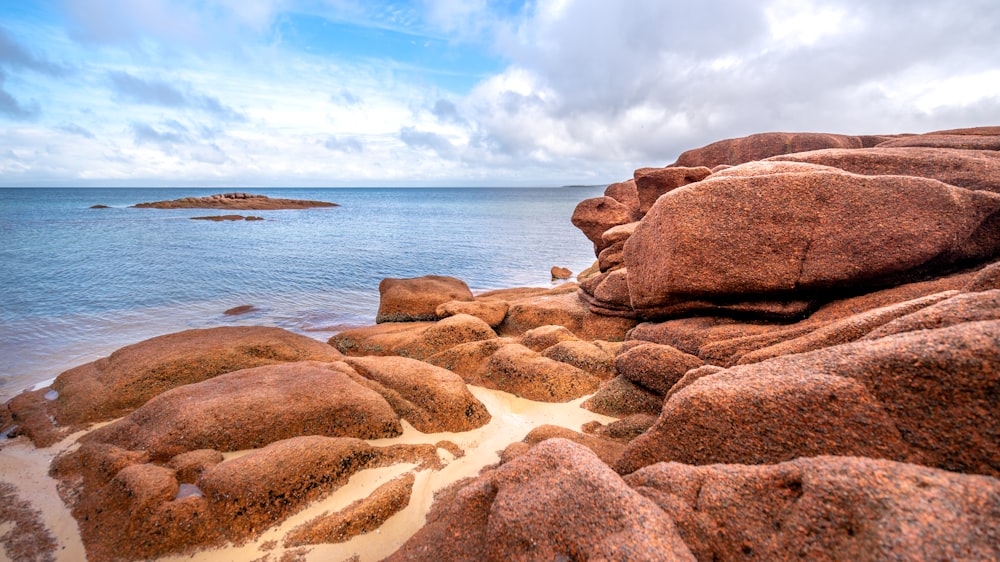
x,y
77,283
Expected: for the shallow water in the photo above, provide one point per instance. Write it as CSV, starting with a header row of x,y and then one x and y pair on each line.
x,y
77,283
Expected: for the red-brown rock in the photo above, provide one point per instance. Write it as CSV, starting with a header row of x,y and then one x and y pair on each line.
x,y
251,408
523,372
563,309
620,397
558,501
490,311
469,360
543,337
431,398
583,355
625,193
594,216
417,340
968,307
560,273
826,508
964,142
416,299
760,146
656,367
113,386
927,397
737,238
651,183
970,169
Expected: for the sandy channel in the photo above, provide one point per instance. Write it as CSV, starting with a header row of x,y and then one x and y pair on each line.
x,y
26,468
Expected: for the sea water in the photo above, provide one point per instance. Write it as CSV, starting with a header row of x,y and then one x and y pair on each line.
x,y
76,283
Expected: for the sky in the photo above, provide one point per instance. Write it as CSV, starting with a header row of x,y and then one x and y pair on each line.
x,y
463,92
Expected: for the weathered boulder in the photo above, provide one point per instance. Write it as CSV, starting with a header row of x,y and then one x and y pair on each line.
x,y
362,516
927,397
751,239
525,373
557,501
970,169
843,331
543,337
490,311
608,294
560,273
431,398
607,450
656,367
251,408
967,307
563,309
596,215
826,508
936,140
651,183
627,194
620,397
417,340
416,299
115,385
583,355
469,360
757,147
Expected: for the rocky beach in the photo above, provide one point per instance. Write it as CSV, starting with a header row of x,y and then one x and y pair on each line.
x,y
788,347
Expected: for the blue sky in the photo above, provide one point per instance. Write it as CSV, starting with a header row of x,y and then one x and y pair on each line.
x,y
463,92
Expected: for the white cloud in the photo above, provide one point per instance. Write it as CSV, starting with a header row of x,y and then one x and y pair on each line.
x,y
187,91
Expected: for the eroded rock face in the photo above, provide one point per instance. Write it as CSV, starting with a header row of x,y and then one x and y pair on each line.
x,y
760,146
651,183
431,398
783,235
417,340
526,373
417,299
254,407
926,397
831,508
114,386
963,168
529,509
595,216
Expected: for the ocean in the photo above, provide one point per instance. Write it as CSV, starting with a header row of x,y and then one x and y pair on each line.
x,y
76,283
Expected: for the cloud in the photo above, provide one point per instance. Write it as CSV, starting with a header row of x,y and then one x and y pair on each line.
x,y
13,108
13,55
156,92
346,145
143,133
74,129
345,97
447,112
414,138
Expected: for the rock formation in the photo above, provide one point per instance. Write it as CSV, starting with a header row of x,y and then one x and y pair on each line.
x,y
796,338
235,202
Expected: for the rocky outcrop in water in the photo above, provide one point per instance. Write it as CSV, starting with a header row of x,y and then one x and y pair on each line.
x,y
235,202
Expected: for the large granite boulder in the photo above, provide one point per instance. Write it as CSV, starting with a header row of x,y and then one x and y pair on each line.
x,y
254,407
416,299
826,508
115,385
526,373
595,216
651,183
557,501
417,340
431,398
927,397
762,145
563,308
761,243
970,169
941,140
